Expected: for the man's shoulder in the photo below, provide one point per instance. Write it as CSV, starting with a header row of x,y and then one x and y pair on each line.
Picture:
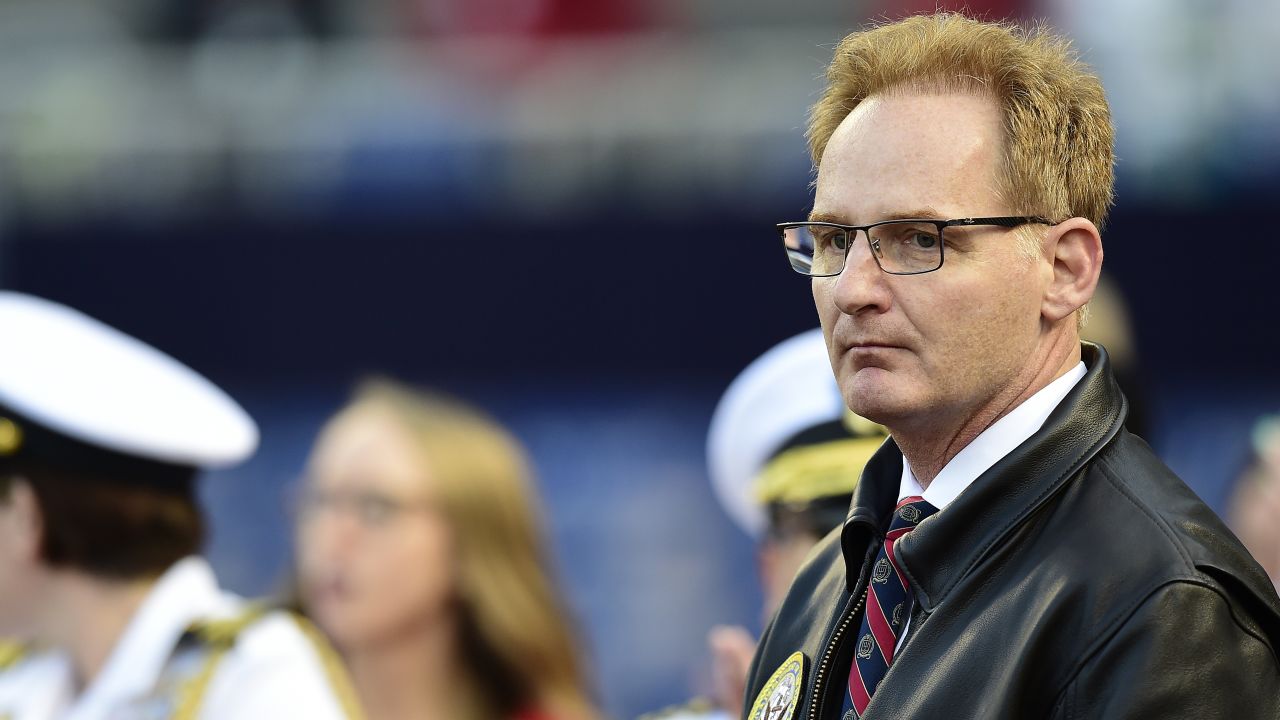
x,y
1146,492
268,633
12,653
31,680
1153,529
19,661
277,659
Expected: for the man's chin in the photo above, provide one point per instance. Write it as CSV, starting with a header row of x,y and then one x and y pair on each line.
x,y
875,395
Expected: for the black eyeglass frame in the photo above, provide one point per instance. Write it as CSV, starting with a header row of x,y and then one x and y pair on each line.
x,y
1009,221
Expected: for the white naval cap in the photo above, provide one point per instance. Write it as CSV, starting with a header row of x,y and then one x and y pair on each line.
x,y
76,384
784,391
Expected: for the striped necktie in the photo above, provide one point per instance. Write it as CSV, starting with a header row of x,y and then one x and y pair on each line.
x,y
887,607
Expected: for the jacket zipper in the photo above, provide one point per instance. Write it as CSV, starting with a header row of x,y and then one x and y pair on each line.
x,y
828,655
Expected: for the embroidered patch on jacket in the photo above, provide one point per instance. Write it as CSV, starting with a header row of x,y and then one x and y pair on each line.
x,y
781,694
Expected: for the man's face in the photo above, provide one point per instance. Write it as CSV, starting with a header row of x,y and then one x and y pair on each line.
x,y
925,350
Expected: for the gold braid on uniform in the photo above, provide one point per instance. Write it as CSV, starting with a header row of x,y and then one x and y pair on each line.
x,y
220,636
333,667
11,653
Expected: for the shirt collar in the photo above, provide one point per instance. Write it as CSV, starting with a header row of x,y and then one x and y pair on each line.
x,y
186,592
992,444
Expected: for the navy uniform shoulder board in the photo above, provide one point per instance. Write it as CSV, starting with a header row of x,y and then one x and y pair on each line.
x,y
11,653
220,636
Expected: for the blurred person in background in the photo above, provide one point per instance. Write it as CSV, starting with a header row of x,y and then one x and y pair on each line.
x,y
784,455
1012,551
421,554
1108,324
112,613
1254,508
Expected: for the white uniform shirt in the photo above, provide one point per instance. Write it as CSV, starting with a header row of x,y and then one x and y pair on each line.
x,y
273,671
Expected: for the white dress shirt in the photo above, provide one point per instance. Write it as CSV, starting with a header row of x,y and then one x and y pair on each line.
x,y
988,448
273,670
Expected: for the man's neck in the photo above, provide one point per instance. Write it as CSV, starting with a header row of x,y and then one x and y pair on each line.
x,y
931,446
88,615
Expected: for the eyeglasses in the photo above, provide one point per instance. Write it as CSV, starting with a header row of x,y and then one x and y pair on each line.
x,y
373,509
900,247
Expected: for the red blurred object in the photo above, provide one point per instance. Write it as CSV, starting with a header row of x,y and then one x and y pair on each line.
x,y
984,9
530,18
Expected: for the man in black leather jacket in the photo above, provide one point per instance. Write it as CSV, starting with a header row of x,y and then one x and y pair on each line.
x,y
1058,569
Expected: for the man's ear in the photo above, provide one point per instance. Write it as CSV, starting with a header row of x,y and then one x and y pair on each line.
x,y
21,522
1074,247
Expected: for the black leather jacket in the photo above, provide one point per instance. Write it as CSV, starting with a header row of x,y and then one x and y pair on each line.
x,y
1077,578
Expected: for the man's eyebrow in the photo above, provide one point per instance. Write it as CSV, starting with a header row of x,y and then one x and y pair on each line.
x,y
920,213
816,216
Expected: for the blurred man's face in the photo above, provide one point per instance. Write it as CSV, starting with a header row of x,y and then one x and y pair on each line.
x,y
933,347
21,570
780,561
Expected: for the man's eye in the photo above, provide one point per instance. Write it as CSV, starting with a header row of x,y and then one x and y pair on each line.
x,y
829,238
924,240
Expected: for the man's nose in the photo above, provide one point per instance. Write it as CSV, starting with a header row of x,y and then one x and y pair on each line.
x,y
861,285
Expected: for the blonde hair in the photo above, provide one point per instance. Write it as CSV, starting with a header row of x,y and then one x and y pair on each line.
x,y
1059,142
519,647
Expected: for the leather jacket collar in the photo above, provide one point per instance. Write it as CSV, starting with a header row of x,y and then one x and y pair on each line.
x,y
945,547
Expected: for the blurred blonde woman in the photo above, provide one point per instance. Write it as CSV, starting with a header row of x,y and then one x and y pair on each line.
x,y
420,553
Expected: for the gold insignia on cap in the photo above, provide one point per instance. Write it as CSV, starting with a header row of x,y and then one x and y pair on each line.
x,y
804,474
10,436
780,696
862,427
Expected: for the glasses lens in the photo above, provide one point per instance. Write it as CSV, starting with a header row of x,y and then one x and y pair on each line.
x,y
908,247
374,509
815,249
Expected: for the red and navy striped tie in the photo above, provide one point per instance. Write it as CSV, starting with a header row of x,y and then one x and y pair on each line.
x,y
887,607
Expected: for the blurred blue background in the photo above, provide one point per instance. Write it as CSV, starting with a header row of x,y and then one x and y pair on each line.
x,y
562,210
